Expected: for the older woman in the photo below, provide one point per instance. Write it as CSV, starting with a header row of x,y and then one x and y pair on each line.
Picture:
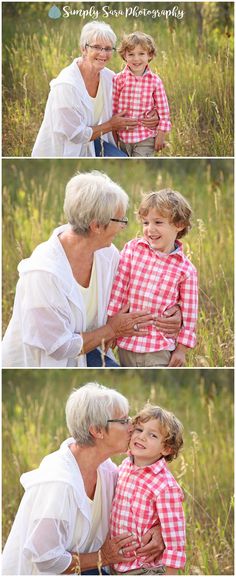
x,y
79,107
62,524
60,308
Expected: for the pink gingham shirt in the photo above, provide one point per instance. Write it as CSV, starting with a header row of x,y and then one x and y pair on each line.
x,y
146,496
154,281
138,95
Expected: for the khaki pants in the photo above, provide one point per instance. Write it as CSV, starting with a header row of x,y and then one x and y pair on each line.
x,y
156,359
145,571
143,148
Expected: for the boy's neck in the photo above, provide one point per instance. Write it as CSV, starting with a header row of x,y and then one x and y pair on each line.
x,y
138,463
136,73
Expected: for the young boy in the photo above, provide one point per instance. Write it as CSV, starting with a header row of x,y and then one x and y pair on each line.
x,y
154,274
147,493
139,92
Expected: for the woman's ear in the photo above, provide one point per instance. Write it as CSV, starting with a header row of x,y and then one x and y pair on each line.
x,y
95,227
96,432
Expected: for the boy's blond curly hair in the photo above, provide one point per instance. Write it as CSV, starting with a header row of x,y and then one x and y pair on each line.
x,y
170,427
131,40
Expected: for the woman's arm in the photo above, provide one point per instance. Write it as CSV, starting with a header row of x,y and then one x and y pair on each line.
x,y
109,554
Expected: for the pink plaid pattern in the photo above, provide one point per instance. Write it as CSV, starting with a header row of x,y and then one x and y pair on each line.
x,y
154,281
146,496
138,95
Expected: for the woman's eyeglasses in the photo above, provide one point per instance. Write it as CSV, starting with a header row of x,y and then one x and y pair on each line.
x,y
107,49
121,421
123,221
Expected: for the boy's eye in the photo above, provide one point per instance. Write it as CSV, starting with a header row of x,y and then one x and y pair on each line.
x,y
153,435
138,429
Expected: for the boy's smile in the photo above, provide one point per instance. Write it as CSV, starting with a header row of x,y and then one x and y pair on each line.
x,y
137,59
159,232
146,443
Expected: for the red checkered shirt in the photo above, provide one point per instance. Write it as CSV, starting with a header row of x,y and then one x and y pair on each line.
x,y
155,281
138,95
147,496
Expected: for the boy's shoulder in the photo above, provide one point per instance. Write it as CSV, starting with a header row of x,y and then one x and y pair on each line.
x,y
167,481
188,265
134,244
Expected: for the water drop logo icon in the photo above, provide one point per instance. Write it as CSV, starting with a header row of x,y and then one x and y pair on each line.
x,y
54,12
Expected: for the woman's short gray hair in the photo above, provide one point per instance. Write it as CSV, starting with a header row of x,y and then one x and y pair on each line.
x,y
92,196
93,31
92,405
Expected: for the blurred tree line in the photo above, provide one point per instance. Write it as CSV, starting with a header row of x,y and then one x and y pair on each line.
x,y
208,15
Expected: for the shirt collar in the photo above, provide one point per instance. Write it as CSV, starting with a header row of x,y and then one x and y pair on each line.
x,y
178,248
155,468
127,72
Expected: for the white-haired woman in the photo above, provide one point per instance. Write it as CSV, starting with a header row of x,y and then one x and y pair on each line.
x,y
60,311
78,117
62,524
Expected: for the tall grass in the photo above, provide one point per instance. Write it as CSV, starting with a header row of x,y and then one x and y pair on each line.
x,y
32,206
197,74
33,425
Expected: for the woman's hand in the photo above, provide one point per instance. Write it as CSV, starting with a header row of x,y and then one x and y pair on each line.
x,y
125,324
152,544
151,120
112,549
170,324
121,122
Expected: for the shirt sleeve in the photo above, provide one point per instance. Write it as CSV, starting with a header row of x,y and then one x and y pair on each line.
x,y
162,107
47,317
171,515
189,307
49,527
67,118
115,95
120,287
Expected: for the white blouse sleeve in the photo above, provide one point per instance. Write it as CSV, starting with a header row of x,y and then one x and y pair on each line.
x,y
47,317
68,117
50,524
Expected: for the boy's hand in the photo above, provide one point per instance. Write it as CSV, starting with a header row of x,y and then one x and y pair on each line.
x,y
178,357
160,141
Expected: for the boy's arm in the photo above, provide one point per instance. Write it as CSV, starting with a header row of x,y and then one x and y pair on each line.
x,y
115,95
162,107
119,292
188,301
171,516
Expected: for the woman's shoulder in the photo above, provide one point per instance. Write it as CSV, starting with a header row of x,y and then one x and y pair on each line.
x,y
107,73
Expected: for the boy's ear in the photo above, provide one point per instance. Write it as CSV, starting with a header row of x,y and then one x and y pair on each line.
x,y
180,226
167,451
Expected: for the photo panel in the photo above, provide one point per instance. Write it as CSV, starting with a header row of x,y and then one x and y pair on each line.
x,y
193,66
34,426
33,197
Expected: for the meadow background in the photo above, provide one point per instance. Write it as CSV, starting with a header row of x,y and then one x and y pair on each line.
x,y
195,62
33,192
34,425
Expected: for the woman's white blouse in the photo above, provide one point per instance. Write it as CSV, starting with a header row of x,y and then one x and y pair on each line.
x,y
69,115
49,312
55,516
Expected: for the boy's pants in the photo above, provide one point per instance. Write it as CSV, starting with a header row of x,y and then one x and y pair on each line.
x,y
145,571
143,148
155,359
